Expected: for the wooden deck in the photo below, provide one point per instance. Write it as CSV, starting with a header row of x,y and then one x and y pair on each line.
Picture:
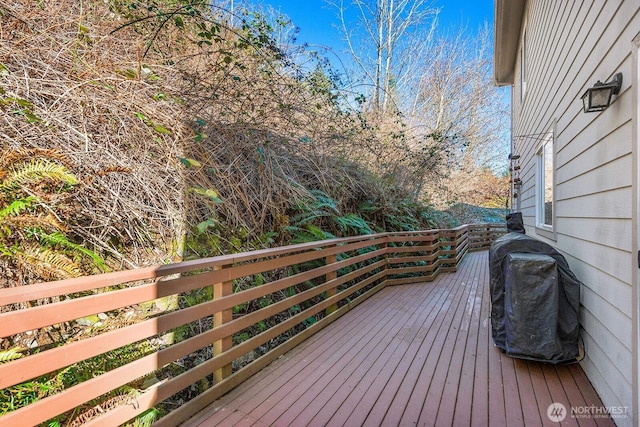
x,y
410,355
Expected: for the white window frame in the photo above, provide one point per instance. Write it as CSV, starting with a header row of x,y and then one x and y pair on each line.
x,y
523,64
545,172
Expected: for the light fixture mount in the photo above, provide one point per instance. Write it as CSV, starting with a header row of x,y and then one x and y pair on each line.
x,y
598,97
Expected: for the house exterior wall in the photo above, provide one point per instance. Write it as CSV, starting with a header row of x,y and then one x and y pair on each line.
x,y
568,46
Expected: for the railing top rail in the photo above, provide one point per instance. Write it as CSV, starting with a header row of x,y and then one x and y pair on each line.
x,y
86,283
487,225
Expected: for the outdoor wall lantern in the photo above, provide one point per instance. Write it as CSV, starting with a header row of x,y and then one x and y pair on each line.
x,y
598,97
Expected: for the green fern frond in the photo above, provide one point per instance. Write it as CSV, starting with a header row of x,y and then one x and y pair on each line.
x,y
324,201
17,206
20,155
307,217
310,233
11,354
31,222
35,171
354,223
368,207
319,207
147,418
49,264
5,251
319,233
59,239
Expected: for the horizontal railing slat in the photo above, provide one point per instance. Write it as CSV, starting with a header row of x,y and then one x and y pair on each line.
x,y
401,249
412,259
414,238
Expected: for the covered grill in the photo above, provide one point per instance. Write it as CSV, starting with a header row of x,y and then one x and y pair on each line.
x,y
534,300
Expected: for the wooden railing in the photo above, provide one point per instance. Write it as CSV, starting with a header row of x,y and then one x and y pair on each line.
x,y
294,290
481,235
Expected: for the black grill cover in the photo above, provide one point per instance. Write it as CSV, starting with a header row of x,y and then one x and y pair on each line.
x,y
534,300
515,223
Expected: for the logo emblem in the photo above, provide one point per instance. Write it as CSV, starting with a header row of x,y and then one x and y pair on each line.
x,y
556,412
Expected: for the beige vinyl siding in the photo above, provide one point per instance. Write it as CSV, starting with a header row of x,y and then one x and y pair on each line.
x,y
578,161
571,45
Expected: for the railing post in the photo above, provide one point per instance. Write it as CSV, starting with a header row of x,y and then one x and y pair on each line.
x,y
385,245
487,239
454,248
472,236
331,259
461,249
219,318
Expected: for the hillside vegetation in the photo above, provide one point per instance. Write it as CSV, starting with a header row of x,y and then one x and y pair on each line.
x,y
141,133
137,133
181,135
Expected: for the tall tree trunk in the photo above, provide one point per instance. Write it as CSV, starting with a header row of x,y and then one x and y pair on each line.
x,y
379,53
388,74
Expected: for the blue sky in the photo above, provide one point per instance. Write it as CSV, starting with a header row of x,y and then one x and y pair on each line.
x,y
316,19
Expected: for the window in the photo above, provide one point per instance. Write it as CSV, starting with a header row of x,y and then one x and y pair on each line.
x,y
544,187
523,65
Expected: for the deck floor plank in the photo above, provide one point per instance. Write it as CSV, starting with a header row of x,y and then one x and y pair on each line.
x,y
540,390
445,382
526,393
428,351
318,372
589,394
574,396
343,376
463,403
410,355
512,402
557,393
407,403
376,378
480,403
454,391
415,356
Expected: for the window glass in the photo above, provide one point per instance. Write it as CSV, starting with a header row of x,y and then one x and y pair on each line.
x,y
548,182
544,190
